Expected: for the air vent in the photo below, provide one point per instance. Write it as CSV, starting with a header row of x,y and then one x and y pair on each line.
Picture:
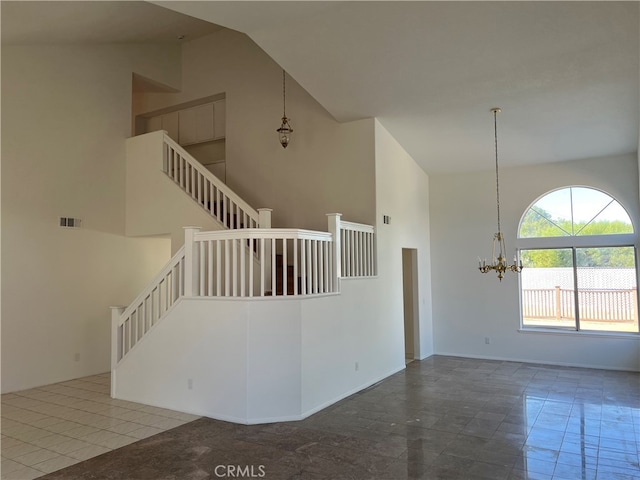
x,y
69,222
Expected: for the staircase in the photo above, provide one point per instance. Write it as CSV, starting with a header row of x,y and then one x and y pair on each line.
x,y
218,200
211,334
246,258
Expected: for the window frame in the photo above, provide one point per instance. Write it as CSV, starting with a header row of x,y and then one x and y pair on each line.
x,y
575,242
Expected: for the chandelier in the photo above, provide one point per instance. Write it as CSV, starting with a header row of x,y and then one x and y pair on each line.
x,y
499,263
285,130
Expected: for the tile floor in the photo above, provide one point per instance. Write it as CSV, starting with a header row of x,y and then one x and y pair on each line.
x,y
48,428
442,418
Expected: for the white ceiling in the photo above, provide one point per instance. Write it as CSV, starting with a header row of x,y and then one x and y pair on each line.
x,y
73,22
566,74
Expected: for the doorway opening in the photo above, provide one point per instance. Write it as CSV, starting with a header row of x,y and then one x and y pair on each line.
x,y
410,296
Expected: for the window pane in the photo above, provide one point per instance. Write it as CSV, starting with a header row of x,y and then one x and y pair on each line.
x,y
587,203
575,211
607,289
547,288
538,223
557,204
612,220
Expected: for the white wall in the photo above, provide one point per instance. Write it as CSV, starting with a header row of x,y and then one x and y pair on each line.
x,y
469,306
260,360
328,167
191,343
65,116
348,343
402,192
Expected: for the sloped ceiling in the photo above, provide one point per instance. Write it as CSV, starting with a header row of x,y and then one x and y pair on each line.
x,y
566,74
95,22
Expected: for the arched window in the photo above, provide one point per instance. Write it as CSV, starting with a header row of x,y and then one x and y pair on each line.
x,y
577,248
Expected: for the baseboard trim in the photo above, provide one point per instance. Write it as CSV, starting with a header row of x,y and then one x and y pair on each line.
x,y
261,420
539,362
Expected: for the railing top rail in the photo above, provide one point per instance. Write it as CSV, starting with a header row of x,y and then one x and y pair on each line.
x,y
258,233
253,213
359,227
153,284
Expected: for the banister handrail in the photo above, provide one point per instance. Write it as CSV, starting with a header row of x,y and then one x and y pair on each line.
x,y
258,233
358,227
219,184
153,284
290,261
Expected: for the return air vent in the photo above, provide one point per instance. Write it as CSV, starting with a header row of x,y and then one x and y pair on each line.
x,y
68,222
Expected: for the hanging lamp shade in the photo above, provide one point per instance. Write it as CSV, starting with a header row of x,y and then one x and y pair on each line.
x,y
284,132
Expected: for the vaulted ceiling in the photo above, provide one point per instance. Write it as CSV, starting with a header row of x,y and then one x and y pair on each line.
x,y
566,74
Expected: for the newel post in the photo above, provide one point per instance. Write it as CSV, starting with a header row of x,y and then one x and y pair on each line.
x,y
191,262
334,229
264,217
165,152
116,343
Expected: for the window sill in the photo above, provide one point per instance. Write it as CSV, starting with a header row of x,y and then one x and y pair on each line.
x,y
583,333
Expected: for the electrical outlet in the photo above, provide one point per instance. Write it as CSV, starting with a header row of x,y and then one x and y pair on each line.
x,y
76,357
190,383
487,340
357,366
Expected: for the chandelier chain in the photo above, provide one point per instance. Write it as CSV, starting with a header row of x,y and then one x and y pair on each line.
x,y
495,136
284,98
499,263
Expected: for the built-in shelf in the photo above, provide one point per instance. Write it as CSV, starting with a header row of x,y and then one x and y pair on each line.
x,y
187,126
199,126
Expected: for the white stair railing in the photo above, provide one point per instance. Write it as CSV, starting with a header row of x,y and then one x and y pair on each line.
x,y
357,242
247,262
130,325
290,262
206,189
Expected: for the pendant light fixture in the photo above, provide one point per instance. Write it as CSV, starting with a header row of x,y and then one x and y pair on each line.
x,y
499,263
285,130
